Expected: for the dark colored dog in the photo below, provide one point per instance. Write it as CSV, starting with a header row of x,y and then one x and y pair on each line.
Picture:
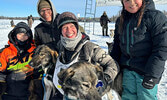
x,y
110,46
46,58
80,80
117,84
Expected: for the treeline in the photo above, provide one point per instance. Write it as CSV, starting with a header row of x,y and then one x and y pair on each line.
x,y
112,19
17,18
80,19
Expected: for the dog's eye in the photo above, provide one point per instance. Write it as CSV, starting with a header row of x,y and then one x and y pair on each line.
x,y
42,54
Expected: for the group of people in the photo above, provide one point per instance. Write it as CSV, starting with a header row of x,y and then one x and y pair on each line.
x,y
140,49
30,21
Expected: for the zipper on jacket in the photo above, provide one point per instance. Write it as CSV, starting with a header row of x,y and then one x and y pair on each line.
x,y
129,37
123,40
132,37
52,32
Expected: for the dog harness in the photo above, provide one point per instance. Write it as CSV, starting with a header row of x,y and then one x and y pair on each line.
x,y
58,68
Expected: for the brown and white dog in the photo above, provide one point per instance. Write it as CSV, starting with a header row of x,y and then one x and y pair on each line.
x,y
80,80
46,58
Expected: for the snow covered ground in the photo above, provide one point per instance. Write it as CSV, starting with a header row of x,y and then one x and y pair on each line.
x,y
96,38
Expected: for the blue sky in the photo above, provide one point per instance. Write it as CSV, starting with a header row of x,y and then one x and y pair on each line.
x,y
24,8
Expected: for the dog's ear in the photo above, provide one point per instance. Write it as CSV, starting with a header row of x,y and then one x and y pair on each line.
x,y
107,43
54,54
65,74
38,49
61,76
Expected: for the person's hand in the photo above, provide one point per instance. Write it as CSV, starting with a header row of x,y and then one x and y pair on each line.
x,y
25,72
149,82
28,71
104,84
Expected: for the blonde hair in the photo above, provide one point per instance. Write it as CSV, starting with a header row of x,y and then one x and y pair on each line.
x,y
122,16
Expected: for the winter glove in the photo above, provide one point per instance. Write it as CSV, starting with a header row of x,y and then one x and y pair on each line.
x,y
27,71
104,84
149,82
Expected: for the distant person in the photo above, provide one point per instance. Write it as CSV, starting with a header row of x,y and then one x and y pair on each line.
x,y
30,21
12,23
104,23
13,60
140,48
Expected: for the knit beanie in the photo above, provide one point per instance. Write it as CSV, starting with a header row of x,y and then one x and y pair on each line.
x,y
67,17
43,4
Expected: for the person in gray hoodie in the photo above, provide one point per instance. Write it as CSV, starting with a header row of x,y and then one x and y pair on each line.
x,y
46,33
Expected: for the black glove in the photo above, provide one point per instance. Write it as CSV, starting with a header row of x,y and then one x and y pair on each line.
x,y
107,79
149,82
106,82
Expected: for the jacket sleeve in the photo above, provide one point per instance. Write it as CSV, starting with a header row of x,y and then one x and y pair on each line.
x,y
116,51
37,38
109,65
156,62
108,19
3,62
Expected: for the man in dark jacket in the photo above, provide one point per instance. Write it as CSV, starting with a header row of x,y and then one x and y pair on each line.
x,y
104,23
46,32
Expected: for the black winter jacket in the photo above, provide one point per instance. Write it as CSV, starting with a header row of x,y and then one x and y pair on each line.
x,y
104,20
48,34
142,49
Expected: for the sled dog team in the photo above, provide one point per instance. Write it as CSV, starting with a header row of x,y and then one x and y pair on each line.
x,y
60,62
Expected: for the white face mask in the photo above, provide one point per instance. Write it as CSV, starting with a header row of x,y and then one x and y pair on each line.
x,y
69,43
